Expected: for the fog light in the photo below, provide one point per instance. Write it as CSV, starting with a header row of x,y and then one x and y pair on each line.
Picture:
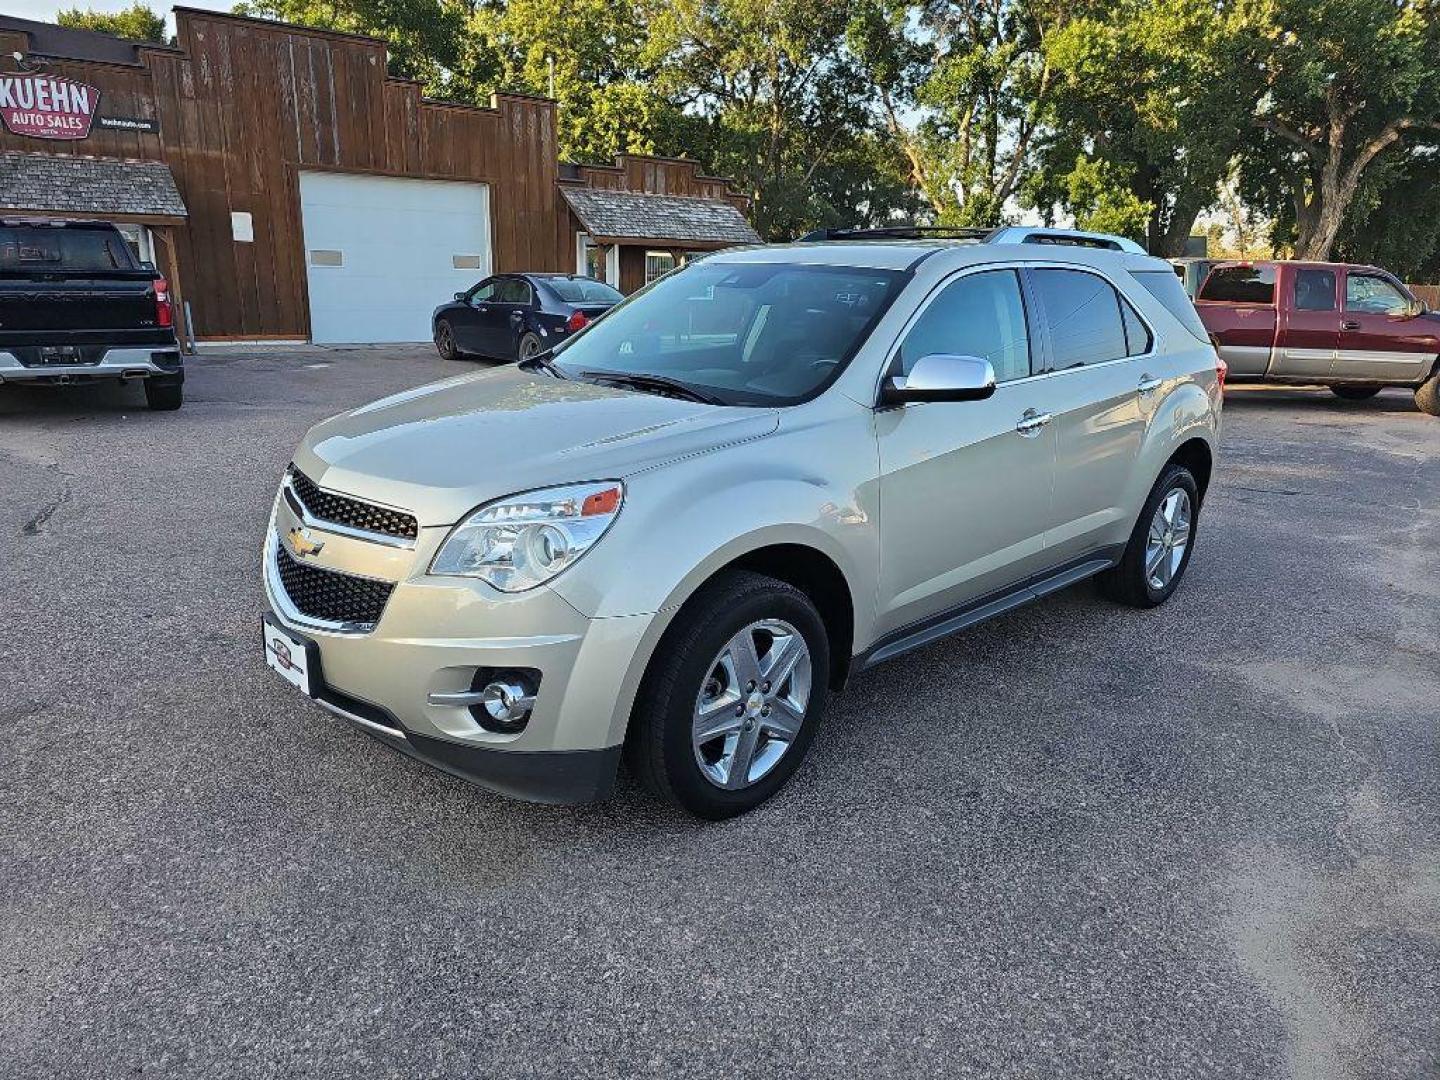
x,y
507,701
499,699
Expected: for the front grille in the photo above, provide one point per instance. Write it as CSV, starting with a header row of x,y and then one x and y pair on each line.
x,y
330,595
343,510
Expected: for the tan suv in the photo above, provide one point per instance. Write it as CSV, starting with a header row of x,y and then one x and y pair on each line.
x,y
677,534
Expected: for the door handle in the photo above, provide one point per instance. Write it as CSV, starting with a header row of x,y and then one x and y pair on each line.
x,y
1349,324
1149,384
516,317
1032,422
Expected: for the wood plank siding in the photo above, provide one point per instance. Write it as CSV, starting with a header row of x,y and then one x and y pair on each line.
x,y
245,105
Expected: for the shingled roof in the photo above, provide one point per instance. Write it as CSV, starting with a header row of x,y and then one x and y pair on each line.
x,y
631,215
68,184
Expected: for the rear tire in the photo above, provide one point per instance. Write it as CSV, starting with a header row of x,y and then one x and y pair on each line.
x,y
691,689
445,341
529,346
1427,396
165,393
1150,569
1355,393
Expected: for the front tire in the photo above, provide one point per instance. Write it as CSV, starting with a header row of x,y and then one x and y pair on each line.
x,y
1427,396
1355,393
1160,544
732,698
445,341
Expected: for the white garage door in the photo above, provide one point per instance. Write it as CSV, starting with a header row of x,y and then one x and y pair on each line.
x,y
382,253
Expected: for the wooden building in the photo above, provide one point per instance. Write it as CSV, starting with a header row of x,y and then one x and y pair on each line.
x,y
291,189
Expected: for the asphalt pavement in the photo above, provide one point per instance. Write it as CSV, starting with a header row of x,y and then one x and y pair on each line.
x,y
1079,841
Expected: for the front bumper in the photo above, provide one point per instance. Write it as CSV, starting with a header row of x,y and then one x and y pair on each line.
x,y
126,363
547,776
436,633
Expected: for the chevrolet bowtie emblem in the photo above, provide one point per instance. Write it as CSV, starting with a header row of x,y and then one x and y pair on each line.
x,y
302,542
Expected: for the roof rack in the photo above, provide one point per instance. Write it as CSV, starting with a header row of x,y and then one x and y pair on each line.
x,y
1005,234
897,232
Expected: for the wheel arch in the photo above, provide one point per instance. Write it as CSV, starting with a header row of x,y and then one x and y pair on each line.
x,y
804,560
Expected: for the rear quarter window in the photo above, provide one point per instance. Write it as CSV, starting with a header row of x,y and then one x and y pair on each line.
x,y
1167,289
1240,285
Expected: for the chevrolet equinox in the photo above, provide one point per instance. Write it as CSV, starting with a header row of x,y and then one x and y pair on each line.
x,y
675,535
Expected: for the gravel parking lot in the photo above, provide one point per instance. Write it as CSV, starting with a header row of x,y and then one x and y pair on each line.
x,y
1079,841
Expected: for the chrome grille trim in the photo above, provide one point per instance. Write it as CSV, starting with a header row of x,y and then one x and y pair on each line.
x,y
289,613
313,520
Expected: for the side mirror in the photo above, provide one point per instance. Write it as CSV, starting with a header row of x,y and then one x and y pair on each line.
x,y
1415,307
942,377
459,296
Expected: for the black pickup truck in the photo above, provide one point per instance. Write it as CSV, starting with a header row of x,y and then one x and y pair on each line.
x,y
75,306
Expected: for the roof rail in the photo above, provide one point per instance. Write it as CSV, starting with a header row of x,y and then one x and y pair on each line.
x,y
1005,234
897,232
1028,234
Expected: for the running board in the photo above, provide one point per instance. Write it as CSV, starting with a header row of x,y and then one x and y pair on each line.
x,y
931,630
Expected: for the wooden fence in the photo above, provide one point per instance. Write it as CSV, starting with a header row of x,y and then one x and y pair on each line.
x,y
1428,293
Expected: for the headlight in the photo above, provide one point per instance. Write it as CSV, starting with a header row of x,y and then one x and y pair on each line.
x,y
525,540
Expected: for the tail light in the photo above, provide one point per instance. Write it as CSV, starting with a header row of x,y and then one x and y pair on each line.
x,y
578,321
164,311
1221,370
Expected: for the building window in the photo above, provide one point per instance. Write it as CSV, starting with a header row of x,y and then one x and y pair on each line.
x,y
658,264
141,244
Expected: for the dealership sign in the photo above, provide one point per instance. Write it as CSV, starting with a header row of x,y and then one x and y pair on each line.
x,y
47,107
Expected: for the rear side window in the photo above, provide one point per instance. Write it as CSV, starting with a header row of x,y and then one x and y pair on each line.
x,y
1314,290
513,291
979,315
41,249
1171,294
1082,312
1240,285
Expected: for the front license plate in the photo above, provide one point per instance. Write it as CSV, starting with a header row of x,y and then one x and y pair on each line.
x,y
289,655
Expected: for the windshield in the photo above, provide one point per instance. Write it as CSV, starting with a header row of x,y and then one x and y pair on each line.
x,y
579,290
743,333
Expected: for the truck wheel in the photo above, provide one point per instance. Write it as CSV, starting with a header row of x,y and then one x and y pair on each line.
x,y
1355,393
1427,397
1160,544
165,393
732,698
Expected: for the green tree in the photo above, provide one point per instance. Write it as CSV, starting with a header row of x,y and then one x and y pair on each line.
x,y
424,36
1149,102
137,22
963,87
593,57
771,94
1349,84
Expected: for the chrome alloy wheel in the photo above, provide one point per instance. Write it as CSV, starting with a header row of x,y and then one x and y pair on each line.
x,y
1168,538
751,706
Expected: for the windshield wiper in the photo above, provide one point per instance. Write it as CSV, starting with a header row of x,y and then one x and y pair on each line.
x,y
654,384
542,361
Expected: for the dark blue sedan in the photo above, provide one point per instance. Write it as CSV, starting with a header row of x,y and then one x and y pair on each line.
x,y
516,316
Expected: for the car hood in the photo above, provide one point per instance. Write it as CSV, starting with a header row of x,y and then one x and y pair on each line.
x,y
441,450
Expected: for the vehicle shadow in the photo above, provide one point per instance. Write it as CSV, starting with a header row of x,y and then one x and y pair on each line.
x,y
81,399
1250,396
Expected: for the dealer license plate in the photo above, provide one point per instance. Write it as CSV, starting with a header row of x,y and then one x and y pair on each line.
x,y
291,656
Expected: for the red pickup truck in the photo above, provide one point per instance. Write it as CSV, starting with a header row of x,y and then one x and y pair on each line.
x,y
1355,329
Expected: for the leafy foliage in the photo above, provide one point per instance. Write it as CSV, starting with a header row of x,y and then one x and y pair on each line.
x,y
1131,116
137,22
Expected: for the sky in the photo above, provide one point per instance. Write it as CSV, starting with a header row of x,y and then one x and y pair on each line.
x,y
44,10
